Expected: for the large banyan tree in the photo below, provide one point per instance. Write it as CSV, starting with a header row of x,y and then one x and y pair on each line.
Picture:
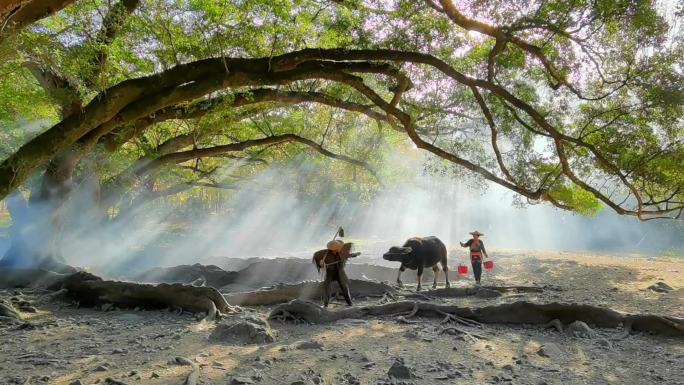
x,y
574,103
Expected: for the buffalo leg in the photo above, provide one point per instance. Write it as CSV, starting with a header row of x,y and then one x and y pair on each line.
x,y
401,270
419,278
446,273
435,271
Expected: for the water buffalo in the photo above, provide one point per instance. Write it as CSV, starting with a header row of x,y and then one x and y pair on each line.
x,y
419,253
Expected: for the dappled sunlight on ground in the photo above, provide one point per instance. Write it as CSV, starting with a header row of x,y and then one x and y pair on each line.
x,y
136,346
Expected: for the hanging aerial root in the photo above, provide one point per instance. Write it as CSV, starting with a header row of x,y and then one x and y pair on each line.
x,y
514,313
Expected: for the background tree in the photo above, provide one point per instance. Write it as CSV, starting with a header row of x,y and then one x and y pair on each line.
x,y
573,103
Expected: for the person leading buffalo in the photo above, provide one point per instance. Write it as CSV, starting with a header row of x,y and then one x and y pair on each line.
x,y
332,259
477,250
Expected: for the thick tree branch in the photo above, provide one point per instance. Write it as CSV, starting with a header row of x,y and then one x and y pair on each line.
x,y
112,24
139,98
57,87
179,157
492,125
18,14
504,94
256,96
144,166
501,38
407,123
177,143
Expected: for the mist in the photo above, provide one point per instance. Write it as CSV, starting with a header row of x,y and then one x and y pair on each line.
x,y
293,209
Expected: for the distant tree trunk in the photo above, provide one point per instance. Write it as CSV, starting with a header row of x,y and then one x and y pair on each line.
x,y
40,238
55,189
32,236
38,224
38,241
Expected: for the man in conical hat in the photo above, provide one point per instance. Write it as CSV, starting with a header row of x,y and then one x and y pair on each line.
x,y
333,259
335,245
477,250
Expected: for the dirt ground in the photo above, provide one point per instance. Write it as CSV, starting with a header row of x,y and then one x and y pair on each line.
x,y
67,345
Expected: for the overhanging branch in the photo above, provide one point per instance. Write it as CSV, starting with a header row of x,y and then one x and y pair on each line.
x,y
256,96
179,157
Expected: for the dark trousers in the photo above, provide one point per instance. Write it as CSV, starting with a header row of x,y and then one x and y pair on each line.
x,y
477,268
334,273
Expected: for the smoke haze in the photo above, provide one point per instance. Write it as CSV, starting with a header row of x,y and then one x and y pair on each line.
x,y
272,216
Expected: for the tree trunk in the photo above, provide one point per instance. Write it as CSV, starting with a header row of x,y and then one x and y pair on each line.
x,y
17,14
38,225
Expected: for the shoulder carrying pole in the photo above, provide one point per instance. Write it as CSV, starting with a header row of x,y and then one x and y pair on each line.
x,y
340,232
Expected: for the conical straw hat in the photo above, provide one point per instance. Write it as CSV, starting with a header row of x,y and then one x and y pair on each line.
x,y
335,245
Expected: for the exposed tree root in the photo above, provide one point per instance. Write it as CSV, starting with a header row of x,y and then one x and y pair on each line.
x,y
362,288
554,323
193,377
455,331
7,311
514,313
413,311
452,318
387,297
306,291
211,275
285,316
90,290
404,320
655,324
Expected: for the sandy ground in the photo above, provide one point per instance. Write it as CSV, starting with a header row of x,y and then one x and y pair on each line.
x,y
135,347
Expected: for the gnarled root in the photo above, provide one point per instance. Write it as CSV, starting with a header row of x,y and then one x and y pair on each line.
x,y
654,324
514,313
387,297
452,318
90,290
285,316
455,331
306,291
8,312
193,377
554,323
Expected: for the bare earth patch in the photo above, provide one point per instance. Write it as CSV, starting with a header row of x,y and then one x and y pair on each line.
x,y
64,344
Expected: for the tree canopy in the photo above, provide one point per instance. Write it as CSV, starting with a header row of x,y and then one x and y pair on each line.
x,y
574,103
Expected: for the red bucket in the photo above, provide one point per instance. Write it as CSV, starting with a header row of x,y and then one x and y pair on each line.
x,y
488,265
462,269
